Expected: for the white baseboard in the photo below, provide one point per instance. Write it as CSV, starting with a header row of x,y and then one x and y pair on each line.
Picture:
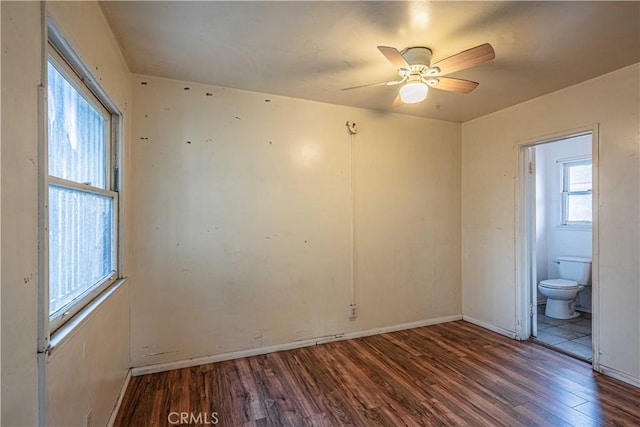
x,y
186,363
116,408
622,376
490,327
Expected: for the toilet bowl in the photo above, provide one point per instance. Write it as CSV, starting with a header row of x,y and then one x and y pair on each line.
x,y
561,297
561,294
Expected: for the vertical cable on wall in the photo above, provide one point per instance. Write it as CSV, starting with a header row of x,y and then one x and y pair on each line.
x,y
353,130
352,297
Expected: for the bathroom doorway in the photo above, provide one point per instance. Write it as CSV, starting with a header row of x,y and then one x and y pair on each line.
x,y
557,241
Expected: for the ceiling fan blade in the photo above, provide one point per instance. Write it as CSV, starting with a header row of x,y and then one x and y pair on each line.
x,y
391,83
466,59
455,85
392,54
397,102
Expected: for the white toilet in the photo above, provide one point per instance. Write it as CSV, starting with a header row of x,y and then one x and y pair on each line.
x,y
575,274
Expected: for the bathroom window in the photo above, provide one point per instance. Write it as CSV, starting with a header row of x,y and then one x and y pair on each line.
x,y
576,193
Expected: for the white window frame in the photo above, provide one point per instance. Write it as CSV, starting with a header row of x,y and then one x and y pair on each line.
x,y
566,166
64,59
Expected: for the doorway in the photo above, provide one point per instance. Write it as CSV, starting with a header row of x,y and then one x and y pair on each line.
x,y
557,243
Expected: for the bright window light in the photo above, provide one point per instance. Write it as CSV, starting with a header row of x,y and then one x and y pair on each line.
x,y
82,197
577,193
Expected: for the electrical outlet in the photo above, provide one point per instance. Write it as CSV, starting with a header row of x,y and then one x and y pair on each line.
x,y
87,418
353,312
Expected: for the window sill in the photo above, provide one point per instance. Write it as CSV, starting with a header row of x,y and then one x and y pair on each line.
x,y
584,227
65,332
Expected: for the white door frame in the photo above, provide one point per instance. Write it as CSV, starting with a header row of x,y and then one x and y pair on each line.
x,y
524,246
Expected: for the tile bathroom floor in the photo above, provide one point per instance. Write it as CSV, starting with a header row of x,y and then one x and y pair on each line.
x,y
572,336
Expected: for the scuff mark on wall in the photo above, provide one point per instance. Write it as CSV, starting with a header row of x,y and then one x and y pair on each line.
x,y
160,353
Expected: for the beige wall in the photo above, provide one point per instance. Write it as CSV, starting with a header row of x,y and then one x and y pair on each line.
x,y
20,79
86,372
241,236
91,365
489,165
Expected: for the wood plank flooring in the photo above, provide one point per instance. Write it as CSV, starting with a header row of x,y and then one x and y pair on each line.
x,y
452,374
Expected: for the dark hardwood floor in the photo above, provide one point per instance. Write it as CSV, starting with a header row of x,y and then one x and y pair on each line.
x,y
452,374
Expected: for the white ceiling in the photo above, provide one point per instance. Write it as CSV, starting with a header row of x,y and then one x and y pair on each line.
x,y
311,50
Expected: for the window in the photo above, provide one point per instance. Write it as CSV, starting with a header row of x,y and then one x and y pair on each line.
x,y
576,193
82,196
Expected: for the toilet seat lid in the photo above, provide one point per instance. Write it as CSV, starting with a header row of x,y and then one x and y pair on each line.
x,y
559,284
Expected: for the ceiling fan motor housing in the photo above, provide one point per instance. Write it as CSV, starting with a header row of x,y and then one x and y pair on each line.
x,y
417,56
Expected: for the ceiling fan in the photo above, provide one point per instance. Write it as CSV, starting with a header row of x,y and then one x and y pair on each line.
x,y
417,74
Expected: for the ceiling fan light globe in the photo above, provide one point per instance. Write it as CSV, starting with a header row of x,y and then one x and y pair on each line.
x,y
413,92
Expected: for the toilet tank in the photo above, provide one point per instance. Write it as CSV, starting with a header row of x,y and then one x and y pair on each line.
x,y
575,268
